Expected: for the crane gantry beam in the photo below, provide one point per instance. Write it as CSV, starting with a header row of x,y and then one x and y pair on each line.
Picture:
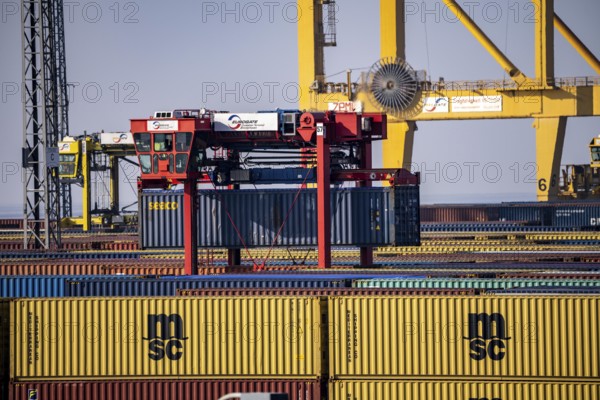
x,y
549,101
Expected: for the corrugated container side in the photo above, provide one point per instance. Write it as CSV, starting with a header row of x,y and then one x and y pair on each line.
x,y
552,275
407,217
455,213
471,283
32,286
326,292
4,341
66,268
576,216
44,285
500,337
532,214
168,287
145,270
382,390
161,226
360,216
161,390
166,338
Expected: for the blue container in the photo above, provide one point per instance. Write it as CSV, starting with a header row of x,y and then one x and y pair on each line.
x,y
45,285
168,286
576,216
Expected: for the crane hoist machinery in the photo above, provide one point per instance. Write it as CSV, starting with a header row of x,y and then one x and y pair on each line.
x,y
92,162
582,181
225,150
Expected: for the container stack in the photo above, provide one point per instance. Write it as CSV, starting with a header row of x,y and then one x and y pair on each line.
x,y
471,314
379,335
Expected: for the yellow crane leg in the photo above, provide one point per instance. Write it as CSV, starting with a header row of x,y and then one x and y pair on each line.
x,y
86,145
392,28
544,41
397,149
549,140
310,51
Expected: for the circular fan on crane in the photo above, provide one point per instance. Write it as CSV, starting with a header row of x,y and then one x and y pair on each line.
x,y
393,86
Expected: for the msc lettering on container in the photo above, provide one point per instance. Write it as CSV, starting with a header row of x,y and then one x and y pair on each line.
x,y
166,336
487,336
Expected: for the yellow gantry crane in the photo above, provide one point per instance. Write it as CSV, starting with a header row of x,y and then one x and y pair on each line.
x,y
549,101
99,153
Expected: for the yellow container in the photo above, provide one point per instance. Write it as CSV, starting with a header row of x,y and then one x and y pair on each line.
x,y
412,390
491,338
165,338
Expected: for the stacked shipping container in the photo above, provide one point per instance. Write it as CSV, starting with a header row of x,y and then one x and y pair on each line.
x,y
560,214
366,347
464,348
118,285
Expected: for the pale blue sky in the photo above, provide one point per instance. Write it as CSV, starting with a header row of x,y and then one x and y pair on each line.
x,y
146,56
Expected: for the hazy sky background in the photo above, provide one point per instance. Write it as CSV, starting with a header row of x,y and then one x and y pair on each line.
x,y
128,59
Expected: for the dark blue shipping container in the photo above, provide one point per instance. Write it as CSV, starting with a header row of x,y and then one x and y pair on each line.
x,y
283,217
576,216
167,286
45,285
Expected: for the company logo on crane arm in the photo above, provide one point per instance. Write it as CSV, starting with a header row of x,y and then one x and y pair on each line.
x,y
162,125
118,139
246,122
435,105
235,122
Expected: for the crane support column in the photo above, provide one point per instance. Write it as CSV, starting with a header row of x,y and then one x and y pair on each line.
x,y
86,206
189,227
366,162
234,256
398,148
549,140
323,197
392,28
113,162
544,42
310,49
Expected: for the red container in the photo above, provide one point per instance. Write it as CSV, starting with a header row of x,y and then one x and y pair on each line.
x,y
159,390
41,267
456,213
164,269
326,292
